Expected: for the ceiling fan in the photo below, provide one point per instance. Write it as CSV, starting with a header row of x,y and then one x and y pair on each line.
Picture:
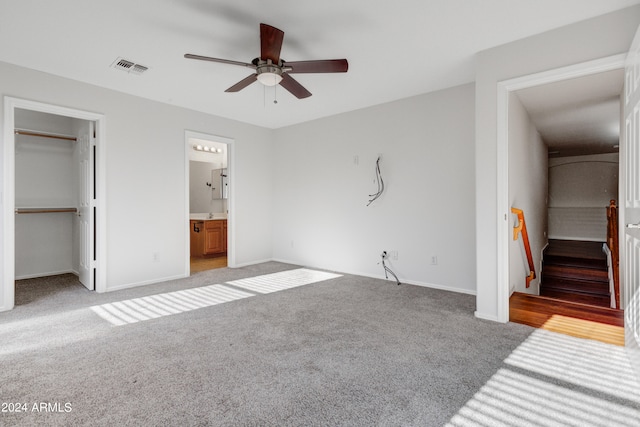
x,y
271,70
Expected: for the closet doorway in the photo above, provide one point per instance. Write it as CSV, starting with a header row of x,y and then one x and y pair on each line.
x,y
52,186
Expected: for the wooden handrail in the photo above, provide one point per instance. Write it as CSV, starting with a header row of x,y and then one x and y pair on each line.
x,y
522,228
612,242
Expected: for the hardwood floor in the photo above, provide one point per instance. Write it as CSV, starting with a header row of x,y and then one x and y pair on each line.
x,y
575,319
199,264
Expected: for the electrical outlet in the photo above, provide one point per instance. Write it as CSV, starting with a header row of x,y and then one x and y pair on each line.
x,y
434,260
394,255
156,256
356,160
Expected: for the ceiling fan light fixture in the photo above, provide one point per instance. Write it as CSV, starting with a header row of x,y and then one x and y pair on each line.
x,y
268,73
269,79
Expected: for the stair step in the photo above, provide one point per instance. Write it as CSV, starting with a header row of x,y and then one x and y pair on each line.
x,y
571,261
577,297
575,273
572,285
575,249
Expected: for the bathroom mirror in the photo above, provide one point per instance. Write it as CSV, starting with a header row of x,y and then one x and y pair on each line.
x,y
219,184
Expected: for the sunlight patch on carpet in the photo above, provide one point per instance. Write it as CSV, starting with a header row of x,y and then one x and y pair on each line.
x,y
274,282
510,398
154,306
603,367
151,307
554,379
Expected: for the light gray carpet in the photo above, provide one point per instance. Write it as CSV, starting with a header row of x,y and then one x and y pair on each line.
x,y
350,351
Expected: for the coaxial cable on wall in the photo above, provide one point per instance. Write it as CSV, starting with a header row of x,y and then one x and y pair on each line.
x,y
379,181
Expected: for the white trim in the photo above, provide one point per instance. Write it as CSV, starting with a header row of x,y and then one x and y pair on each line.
x,y
485,316
610,63
503,211
382,277
247,264
502,182
231,217
8,203
145,282
8,199
47,274
425,285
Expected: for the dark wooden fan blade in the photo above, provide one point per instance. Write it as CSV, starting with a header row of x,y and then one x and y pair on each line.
x,y
294,87
243,83
320,66
223,61
270,43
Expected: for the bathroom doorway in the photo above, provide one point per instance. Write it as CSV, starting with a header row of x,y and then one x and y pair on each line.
x,y
209,199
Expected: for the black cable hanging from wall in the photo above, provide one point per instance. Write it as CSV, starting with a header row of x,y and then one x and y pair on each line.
x,y
379,181
387,269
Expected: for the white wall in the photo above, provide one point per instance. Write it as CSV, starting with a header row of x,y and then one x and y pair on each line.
x,y
527,191
588,40
321,191
146,198
580,188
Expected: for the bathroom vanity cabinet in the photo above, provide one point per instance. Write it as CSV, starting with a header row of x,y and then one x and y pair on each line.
x,y
208,237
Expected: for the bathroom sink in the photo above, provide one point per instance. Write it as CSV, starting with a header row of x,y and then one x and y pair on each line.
x,y
206,216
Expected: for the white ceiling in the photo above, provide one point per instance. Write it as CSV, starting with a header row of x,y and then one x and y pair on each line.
x,y
577,116
395,49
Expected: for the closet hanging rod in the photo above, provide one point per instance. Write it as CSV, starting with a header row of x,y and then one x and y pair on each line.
x,y
44,134
44,210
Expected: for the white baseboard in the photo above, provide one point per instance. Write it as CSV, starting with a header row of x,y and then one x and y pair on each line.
x,y
5,308
485,316
145,282
246,264
47,274
381,277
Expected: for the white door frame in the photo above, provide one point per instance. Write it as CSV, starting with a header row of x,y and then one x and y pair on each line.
x,y
231,230
504,233
7,279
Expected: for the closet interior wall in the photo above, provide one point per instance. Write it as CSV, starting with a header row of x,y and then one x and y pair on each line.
x,y
46,176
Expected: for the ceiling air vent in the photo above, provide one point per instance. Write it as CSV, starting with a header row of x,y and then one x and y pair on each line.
x,y
129,66
138,69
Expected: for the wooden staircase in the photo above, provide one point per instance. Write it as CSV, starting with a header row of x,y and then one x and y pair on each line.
x,y
576,271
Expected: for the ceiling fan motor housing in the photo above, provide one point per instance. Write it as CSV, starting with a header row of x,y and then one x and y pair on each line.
x,y
269,74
